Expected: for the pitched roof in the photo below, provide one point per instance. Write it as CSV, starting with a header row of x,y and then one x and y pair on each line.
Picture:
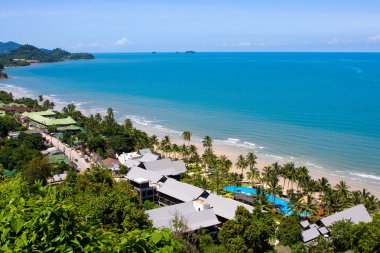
x,y
110,162
131,163
166,167
148,157
356,214
310,234
186,212
181,191
305,223
42,118
145,151
225,207
137,173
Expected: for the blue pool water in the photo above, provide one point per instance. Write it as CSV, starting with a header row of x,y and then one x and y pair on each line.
x,y
283,204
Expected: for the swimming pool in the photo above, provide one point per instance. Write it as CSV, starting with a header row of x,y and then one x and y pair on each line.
x,y
283,204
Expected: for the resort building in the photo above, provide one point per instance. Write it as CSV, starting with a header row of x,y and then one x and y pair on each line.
x,y
14,108
56,179
355,214
136,159
144,182
173,192
224,208
47,118
111,163
165,167
184,217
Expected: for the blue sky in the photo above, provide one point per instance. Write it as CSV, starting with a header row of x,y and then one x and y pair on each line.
x,y
201,25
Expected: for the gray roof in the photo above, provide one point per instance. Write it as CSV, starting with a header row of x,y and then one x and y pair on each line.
x,y
181,191
356,214
323,230
310,234
164,216
305,223
131,163
137,173
166,167
148,157
225,207
145,151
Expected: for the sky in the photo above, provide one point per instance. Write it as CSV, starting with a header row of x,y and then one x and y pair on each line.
x,y
200,25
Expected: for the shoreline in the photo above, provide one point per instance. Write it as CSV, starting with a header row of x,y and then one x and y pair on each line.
x,y
220,147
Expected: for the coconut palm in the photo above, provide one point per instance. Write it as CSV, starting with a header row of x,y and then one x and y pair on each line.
x,y
292,174
342,189
154,141
187,136
302,176
253,175
40,98
175,149
323,185
274,188
235,179
241,163
304,206
207,142
251,160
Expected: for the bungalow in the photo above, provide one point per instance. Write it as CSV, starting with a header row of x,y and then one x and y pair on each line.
x,y
191,216
224,208
111,163
56,179
45,119
14,108
172,192
134,159
355,214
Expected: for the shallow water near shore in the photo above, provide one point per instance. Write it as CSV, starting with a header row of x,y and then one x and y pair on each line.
x,y
318,109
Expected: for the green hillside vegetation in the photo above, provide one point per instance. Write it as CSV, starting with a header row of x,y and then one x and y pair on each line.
x,y
26,53
7,47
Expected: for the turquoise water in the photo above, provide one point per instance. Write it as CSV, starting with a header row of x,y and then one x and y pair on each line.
x,y
320,109
281,203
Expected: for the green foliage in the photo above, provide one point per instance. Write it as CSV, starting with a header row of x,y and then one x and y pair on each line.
x,y
362,237
17,157
6,97
7,124
249,232
289,231
37,169
31,141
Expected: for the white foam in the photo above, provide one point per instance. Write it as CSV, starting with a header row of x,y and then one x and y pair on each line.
x,y
366,176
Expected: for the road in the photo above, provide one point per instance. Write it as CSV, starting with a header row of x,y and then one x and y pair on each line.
x,y
71,153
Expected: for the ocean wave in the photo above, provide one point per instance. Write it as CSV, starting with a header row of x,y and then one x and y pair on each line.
x,y
366,176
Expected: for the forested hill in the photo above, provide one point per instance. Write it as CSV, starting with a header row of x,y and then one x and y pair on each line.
x,y
25,54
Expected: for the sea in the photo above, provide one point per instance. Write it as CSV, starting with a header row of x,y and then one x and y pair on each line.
x,y
321,110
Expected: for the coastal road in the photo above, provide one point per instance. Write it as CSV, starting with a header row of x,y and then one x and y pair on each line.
x,y
71,153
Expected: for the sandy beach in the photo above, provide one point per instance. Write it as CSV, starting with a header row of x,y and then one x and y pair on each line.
x,y
232,152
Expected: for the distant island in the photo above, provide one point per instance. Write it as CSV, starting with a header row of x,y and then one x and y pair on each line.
x,y
13,54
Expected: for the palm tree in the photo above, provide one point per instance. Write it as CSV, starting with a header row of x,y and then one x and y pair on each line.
x,y
40,98
292,173
241,163
251,160
274,188
303,206
342,189
175,148
187,136
154,141
235,179
253,175
302,176
323,185
207,142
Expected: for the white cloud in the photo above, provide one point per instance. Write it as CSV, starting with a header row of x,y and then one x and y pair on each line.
x,y
244,44
333,41
121,42
374,38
